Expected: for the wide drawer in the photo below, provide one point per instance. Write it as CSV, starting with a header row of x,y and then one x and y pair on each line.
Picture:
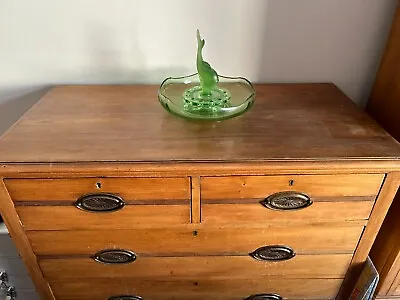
x,y
130,216
324,266
196,289
70,189
260,187
195,240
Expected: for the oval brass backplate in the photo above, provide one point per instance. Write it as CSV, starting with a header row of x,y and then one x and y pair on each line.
x,y
264,297
273,253
125,298
287,201
101,202
115,256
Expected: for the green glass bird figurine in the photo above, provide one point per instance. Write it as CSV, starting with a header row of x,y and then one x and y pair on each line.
x,y
208,76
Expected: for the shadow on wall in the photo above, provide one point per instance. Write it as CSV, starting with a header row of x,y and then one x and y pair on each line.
x,y
104,64
111,61
17,103
315,45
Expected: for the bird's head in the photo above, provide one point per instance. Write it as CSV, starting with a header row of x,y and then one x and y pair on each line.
x,y
200,41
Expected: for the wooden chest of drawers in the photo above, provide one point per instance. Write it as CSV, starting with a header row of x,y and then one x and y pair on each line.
x,y
107,196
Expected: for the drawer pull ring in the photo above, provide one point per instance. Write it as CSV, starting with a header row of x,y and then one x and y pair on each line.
x,y
264,297
125,298
273,253
287,201
114,256
102,202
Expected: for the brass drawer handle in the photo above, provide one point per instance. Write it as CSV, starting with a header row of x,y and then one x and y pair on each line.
x,y
273,253
287,201
102,202
264,297
125,298
115,256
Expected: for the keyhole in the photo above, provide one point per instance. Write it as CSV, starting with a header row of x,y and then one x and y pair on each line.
x,y
98,185
195,233
291,182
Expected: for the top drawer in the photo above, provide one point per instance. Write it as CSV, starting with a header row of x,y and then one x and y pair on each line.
x,y
134,189
258,187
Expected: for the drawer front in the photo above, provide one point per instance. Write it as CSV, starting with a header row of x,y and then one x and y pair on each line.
x,y
190,240
251,211
70,189
129,217
228,267
260,187
196,289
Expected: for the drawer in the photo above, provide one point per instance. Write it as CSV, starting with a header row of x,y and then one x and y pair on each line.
x,y
70,189
252,210
195,240
316,186
72,204
196,289
324,266
130,216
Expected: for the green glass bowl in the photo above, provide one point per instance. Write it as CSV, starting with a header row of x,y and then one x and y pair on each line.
x,y
232,97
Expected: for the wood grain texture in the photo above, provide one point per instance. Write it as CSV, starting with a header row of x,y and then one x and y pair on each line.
x,y
20,239
196,289
288,121
301,266
385,252
383,202
255,212
384,102
125,169
384,107
206,240
68,189
391,281
395,288
397,284
129,217
236,187
196,200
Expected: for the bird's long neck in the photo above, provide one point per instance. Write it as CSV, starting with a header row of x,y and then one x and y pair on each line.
x,y
199,56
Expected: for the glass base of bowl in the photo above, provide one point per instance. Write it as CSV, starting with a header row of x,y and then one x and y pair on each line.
x,y
182,96
196,101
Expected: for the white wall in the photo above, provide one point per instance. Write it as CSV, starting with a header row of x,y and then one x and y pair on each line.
x,y
47,42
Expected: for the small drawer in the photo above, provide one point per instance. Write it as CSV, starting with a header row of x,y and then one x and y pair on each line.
x,y
228,267
129,217
255,211
100,203
57,191
194,289
191,240
326,187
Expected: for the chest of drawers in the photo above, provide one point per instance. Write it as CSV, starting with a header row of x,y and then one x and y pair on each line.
x,y
107,196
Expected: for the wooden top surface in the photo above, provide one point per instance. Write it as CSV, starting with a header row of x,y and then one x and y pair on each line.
x,y
126,123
